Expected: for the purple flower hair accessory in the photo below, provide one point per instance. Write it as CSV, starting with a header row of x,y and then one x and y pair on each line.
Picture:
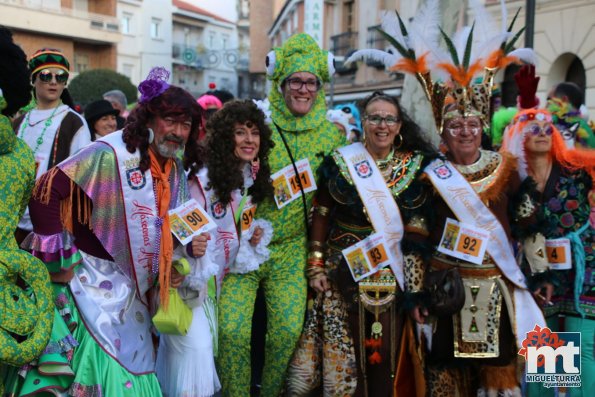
x,y
154,85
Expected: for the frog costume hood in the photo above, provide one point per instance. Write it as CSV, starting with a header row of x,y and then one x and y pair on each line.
x,y
299,53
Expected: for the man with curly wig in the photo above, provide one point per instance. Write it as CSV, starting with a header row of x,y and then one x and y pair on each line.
x,y
101,227
302,135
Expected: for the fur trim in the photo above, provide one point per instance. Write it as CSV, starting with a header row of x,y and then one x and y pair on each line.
x,y
250,258
507,379
409,300
505,171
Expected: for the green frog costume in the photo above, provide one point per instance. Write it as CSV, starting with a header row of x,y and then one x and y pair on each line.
x,y
308,137
25,314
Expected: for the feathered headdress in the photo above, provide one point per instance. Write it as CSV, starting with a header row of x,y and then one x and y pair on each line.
x,y
450,72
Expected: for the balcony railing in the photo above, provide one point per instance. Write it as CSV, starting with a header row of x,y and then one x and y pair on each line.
x,y
96,21
377,41
343,43
342,46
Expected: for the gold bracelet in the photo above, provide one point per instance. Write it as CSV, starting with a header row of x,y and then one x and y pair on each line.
x,y
322,210
316,255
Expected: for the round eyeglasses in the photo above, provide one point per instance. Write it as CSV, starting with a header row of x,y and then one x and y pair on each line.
x,y
297,84
390,121
46,75
457,128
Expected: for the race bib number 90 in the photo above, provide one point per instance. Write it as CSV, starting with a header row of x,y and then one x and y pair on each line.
x,y
189,220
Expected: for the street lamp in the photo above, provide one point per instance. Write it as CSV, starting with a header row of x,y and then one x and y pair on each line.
x,y
529,23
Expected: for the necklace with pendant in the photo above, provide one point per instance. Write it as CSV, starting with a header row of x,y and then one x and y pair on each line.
x,y
47,123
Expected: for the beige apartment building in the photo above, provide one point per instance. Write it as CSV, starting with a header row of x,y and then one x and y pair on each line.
x,y
87,31
564,40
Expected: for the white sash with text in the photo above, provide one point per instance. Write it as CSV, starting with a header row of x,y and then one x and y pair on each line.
x,y
141,211
468,207
379,202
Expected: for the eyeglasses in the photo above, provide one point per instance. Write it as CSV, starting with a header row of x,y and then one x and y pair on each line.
x,y
535,129
46,76
297,84
456,130
377,120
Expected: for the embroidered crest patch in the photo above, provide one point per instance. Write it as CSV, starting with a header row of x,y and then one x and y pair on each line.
x,y
442,171
136,179
363,169
218,210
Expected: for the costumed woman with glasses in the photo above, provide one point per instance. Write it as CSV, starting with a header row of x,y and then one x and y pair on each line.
x,y
478,300
563,179
228,178
53,129
371,192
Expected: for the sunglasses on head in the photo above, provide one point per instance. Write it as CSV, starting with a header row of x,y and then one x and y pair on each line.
x,y
46,76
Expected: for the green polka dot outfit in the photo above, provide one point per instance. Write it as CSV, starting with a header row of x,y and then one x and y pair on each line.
x,y
282,276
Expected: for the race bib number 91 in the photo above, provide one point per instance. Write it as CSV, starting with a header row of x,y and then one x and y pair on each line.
x,y
286,184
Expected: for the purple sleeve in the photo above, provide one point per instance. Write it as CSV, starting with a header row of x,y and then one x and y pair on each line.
x,y
46,217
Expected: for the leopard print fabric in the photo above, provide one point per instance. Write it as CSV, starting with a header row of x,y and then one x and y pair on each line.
x,y
441,383
332,360
414,272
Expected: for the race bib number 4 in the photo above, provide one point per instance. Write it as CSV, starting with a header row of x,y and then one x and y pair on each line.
x,y
464,241
189,220
368,256
558,253
286,184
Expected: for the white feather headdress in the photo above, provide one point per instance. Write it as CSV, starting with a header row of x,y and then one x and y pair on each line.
x,y
486,46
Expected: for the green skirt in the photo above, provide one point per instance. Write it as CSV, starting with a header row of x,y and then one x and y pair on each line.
x,y
75,364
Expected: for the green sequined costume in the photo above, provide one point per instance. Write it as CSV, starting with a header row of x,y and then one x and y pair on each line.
x,y
282,276
25,314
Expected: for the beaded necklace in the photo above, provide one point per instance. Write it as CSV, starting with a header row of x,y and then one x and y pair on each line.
x,y
47,123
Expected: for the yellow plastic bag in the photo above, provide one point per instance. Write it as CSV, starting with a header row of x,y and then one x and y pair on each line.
x,y
178,317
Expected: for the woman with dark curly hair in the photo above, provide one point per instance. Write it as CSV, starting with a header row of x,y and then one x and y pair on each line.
x,y
101,226
371,192
229,179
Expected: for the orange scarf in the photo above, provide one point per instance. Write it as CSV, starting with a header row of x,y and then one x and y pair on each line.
x,y
166,248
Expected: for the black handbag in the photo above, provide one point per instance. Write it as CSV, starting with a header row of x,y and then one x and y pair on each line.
x,y
446,290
